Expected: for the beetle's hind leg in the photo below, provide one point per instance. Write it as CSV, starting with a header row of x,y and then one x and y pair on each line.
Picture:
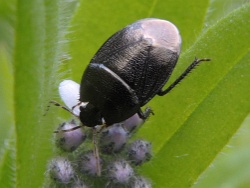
x,y
183,75
144,115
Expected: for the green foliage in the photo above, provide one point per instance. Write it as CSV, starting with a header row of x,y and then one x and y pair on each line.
x,y
192,124
231,168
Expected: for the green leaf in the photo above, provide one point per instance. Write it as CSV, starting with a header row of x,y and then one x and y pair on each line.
x,y
231,168
220,8
7,23
207,108
178,115
191,124
39,47
7,134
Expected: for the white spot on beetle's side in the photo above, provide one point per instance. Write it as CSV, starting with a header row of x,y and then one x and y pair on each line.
x,y
70,94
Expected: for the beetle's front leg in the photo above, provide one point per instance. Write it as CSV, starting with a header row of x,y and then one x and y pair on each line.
x,y
144,115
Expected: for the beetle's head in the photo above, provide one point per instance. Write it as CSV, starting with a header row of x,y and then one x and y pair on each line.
x,y
90,116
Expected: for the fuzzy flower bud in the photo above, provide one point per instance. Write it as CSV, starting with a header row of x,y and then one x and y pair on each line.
x,y
139,152
132,123
70,140
120,172
113,139
88,163
140,182
60,170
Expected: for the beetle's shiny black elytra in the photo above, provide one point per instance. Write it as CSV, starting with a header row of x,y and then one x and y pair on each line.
x,y
129,69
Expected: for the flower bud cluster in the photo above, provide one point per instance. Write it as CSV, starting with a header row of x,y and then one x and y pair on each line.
x,y
111,163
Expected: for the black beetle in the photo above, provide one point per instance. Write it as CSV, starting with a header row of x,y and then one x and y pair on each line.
x,y
129,69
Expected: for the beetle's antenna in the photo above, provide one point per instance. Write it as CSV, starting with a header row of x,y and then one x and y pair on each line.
x,y
96,152
103,126
68,110
47,109
183,75
78,104
59,105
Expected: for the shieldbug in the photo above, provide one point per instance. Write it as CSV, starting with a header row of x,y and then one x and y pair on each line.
x,y
130,68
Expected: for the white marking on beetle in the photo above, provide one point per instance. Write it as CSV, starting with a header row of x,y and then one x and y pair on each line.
x,y
70,94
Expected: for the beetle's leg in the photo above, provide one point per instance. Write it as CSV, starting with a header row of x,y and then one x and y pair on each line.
x,y
103,126
96,153
68,130
183,75
78,104
144,115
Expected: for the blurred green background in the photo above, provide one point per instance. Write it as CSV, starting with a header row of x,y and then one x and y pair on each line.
x,y
43,42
